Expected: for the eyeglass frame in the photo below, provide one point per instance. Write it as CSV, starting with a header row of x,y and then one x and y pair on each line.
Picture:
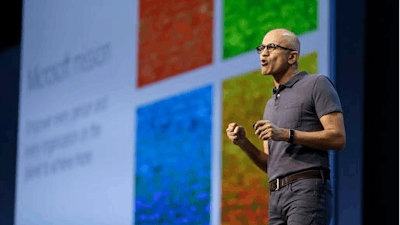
x,y
261,48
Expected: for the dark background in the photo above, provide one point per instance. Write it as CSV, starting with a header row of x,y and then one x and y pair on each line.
x,y
10,38
367,76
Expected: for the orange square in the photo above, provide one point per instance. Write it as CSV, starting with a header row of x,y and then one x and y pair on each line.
x,y
175,36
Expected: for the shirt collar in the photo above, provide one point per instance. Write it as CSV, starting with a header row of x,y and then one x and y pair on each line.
x,y
290,82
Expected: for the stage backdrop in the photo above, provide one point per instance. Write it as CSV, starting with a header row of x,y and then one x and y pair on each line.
x,y
124,105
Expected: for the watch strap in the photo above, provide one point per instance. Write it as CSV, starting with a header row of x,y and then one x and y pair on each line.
x,y
291,136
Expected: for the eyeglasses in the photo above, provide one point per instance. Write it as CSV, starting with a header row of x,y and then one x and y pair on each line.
x,y
271,47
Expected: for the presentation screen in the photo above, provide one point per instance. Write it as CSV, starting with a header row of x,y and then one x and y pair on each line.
x,y
124,104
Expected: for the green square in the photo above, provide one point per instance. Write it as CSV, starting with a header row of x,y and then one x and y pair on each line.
x,y
247,21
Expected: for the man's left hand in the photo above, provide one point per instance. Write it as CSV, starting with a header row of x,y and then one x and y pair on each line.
x,y
265,130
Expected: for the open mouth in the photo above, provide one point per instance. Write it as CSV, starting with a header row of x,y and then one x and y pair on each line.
x,y
264,62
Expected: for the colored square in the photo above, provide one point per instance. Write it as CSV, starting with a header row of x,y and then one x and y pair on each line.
x,y
245,195
173,160
174,37
246,22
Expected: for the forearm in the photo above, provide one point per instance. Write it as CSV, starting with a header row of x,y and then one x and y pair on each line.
x,y
259,158
324,139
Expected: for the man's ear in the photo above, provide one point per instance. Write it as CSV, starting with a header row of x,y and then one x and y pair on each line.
x,y
293,57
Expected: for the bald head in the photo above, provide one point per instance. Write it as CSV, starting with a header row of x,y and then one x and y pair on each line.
x,y
286,38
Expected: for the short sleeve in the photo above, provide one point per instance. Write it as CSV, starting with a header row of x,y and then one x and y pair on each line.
x,y
326,99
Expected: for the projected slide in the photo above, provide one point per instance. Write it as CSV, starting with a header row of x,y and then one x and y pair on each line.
x,y
124,105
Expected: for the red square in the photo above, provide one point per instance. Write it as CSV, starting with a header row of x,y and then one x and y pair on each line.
x,y
175,36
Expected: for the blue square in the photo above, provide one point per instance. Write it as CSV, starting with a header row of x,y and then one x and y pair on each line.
x,y
173,160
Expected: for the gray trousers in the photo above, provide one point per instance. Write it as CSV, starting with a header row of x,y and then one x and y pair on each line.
x,y
306,201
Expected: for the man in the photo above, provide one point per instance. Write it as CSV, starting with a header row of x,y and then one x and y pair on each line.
x,y
302,121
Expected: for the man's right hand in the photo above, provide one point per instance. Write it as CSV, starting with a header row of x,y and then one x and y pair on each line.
x,y
236,134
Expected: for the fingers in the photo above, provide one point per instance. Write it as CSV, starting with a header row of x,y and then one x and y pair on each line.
x,y
259,123
231,127
235,133
265,135
261,128
236,130
231,131
264,129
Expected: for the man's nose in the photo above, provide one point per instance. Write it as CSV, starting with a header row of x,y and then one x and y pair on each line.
x,y
265,52
263,56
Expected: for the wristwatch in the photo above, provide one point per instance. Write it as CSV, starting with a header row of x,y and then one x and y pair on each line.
x,y
291,136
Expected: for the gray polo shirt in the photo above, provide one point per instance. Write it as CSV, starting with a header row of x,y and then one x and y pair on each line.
x,y
298,104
